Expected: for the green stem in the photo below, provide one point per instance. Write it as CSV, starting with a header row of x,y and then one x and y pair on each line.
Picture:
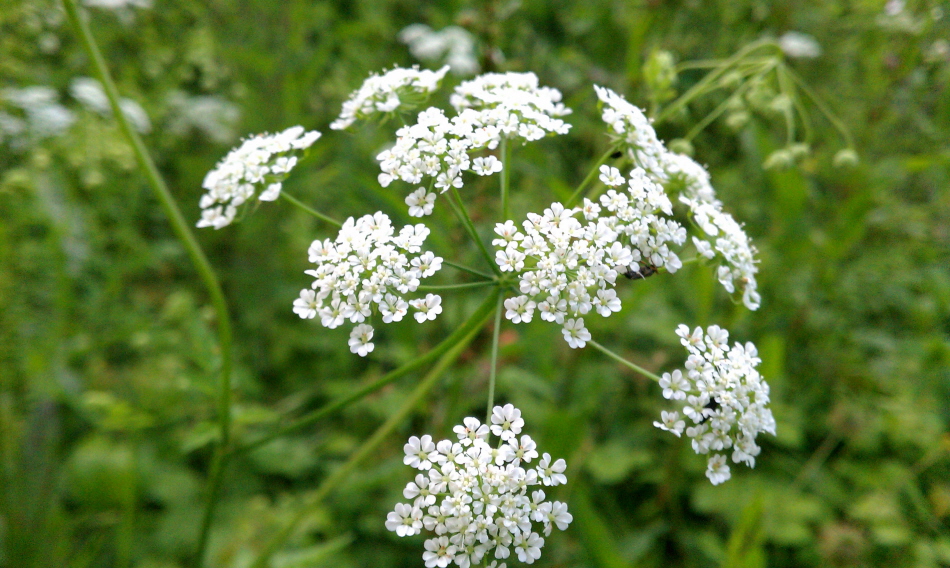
x,y
590,177
505,165
494,358
474,322
700,87
459,207
623,361
183,231
299,205
466,269
456,286
717,112
344,472
834,120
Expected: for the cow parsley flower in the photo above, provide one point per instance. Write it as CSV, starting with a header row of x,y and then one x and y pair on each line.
x,y
568,267
475,496
396,89
489,108
722,237
726,399
257,167
369,268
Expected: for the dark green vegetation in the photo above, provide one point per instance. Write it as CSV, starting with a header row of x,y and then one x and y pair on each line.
x,y
108,353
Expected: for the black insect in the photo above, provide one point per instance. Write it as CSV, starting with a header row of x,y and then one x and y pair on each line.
x,y
644,272
616,154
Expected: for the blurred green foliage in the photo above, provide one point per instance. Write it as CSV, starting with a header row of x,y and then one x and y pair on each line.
x,y
107,345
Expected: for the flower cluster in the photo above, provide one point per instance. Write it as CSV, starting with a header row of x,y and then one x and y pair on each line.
x,y
262,162
369,268
474,496
490,108
568,268
726,400
721,236
386,93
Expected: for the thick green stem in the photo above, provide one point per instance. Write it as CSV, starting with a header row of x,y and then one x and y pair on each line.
x,y
494,358
342,473
299,205
474,322
505,177
459,208
623,361
572,200
196,255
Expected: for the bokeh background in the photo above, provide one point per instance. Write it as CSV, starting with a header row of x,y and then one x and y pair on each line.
x,y
108,355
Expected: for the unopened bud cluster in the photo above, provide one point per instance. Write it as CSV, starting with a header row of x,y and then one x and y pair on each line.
x,y
477,497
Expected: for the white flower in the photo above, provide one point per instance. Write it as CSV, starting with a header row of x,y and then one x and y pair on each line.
x,y
420,202
718,470
671,422
611,176
367,268
453,43
799,45
575,333
726,376
489,108
260,163
475,495
520,309
418,451
405,520
386,93
428,307
306,305
486,166
506,422
360,340
552,474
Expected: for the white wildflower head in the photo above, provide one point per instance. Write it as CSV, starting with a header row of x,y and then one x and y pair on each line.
x,y
568,259
369,269
483,501
725,400
399,89
720,237
257,167
452,44
490,108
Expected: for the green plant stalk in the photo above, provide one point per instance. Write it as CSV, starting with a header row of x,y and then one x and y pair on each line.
x,y
459,207
299,205
474,322
590,177
457,286
494,358
505,171
343,472
183,231
465,268
623,361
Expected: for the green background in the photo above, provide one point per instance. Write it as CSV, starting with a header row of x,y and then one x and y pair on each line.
x,y
108,353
